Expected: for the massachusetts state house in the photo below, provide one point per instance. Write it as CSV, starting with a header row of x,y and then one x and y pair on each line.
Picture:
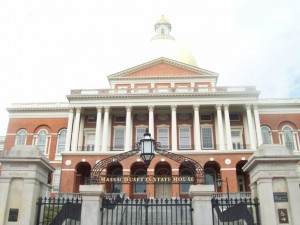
x,y
185,111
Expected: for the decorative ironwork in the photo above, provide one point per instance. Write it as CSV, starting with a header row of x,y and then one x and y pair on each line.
x,y
188,162
146,211
233,210
102,164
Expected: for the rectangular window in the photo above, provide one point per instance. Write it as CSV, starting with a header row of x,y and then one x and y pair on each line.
x,y
122,90
120,119
90,141
142,90
163,137
119,138
91,119
234,116
205,117
140,133
236,139
162,89
182,89
207,140
56,180
184,138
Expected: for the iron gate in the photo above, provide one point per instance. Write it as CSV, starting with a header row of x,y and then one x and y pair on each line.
x,y
243,211
120,211
58,211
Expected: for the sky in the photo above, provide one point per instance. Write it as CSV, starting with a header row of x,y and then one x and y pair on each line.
x,y
48,47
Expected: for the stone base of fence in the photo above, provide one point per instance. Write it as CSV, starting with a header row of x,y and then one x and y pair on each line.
x,y
201,202
91,203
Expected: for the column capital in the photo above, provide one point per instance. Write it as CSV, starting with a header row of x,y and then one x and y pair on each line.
x,y
255,107
151,107
128,108
173,107
196,107
248,106
78,109
106,108
226,106
218,107
99,108
71,110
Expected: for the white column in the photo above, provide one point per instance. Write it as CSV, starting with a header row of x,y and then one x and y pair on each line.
x,y
98,129
174,128
151,120
251,128
69,130
105,128
128,139
197,140
227,128
76,130
220,127
257,125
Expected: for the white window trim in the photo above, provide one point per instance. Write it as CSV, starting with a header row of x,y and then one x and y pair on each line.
x,y
240,129
166,127
116,128
139,127
190,135
56,174
25,138
89,131
212,135
47,143
270,131
294,133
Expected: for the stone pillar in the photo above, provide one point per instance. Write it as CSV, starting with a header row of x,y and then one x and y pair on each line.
x,y
105,129
91,203
24,178
201,199
76,130
251,128
220,127
69,130
98,129
227,128
151,121
174,128
197,139
128,138
257,126
274,180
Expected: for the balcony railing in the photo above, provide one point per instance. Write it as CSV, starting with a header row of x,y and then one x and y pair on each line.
x,y
228,89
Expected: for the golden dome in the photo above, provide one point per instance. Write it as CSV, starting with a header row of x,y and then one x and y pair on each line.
x,y
164,45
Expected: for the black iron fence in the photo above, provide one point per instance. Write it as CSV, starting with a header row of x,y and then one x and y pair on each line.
x,y
243,211
58,211
120,211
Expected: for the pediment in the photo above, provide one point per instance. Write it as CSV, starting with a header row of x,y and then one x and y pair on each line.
x,y
162,67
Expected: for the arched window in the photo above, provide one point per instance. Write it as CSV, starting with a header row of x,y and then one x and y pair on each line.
x,y
42,140
184,186
210,176
140,187
117,187
61,141
21,137
266,135
288,138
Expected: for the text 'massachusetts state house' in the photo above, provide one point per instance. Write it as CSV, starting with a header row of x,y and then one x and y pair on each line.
x,y
185,111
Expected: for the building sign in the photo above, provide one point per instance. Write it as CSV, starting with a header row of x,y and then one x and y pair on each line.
x,y
280,197
283,216
145,179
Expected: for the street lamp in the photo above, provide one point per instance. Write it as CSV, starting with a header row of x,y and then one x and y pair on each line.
x,y
147,146
219,184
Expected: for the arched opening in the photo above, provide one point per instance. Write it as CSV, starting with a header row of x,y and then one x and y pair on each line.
x,y
139,188
114,170
163,189
83,170
211,171
243,180
187,175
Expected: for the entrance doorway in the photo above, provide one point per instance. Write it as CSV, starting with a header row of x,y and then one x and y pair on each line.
x,y
163,190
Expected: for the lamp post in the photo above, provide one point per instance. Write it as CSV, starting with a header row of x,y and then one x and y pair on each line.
x,y
147,146
219,184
